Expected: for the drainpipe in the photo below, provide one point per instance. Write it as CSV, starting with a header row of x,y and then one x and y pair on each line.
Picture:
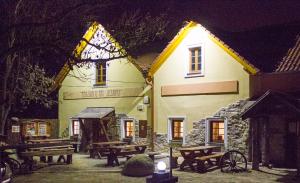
x,y
150,81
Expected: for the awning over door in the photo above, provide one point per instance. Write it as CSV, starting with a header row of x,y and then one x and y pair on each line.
x,y
273,103
94,113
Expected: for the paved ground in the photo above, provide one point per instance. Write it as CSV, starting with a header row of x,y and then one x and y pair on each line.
x,y
88,170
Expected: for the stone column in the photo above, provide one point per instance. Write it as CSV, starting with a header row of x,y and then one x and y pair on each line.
x,y
255,143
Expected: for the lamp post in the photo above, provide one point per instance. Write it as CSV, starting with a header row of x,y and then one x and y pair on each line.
x,y
162,175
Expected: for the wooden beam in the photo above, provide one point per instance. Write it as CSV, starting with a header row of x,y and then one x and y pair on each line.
x,y
104,130
265,143
200,88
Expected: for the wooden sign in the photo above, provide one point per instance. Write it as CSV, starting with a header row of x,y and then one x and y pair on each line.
x,y
200,88
15,129
104,93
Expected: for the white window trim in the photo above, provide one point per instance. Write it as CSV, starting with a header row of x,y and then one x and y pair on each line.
x,y
122,127
170,118
187,67
71,126
207,129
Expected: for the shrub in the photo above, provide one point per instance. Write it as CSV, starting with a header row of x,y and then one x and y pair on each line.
x,y
138,166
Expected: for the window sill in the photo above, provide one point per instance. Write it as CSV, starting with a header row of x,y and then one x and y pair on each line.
x,y
100,86
176,142
193,75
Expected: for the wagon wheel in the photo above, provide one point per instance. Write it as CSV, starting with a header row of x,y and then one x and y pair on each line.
x,y
233,161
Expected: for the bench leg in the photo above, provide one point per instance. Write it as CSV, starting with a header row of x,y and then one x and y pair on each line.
x,y
50,159
69,158
92,154
61,157
27,165
43,159
201,166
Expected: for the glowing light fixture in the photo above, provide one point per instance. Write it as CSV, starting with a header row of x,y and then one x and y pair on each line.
x,y
161,166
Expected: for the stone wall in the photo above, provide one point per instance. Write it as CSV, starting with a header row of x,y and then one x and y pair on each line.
x,y
138,140
237,129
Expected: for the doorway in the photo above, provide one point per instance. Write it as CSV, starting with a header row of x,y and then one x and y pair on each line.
x,y
291,143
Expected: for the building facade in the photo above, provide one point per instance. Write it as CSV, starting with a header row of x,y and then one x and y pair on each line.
x,y
102,96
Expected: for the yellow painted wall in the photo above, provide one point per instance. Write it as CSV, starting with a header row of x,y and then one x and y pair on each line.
x,y
120,73
218,66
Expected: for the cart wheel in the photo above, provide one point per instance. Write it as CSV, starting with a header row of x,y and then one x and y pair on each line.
x,y
233,161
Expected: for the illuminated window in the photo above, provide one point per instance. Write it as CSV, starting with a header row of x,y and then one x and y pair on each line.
x,y
195,61
217,131
100,73
128,125
177,129
76,128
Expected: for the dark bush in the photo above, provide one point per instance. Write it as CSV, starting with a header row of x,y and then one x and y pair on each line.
x,y
138,166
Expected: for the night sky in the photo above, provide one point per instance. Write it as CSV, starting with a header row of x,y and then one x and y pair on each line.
x,y
260,30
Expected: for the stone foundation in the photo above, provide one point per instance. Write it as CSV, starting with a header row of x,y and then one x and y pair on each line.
x,y
161,142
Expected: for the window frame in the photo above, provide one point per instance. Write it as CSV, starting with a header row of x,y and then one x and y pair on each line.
x,y
126,121
199,72
73,127
179,132
208,127
122,127
103,74
170,128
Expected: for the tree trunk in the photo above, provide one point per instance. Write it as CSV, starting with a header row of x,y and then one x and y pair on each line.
x,y
255,144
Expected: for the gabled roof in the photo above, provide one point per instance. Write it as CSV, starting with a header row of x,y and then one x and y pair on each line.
x,y
182,34
88,36
291,61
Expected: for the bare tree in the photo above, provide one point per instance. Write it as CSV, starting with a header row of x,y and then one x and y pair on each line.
x,y
44,33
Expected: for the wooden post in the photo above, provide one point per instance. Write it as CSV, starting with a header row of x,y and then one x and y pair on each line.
x,y
265,144
298,152
255,144
250,142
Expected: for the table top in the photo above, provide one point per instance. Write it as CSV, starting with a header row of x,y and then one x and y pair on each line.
x,y
197,148
128,146
47,140
109,143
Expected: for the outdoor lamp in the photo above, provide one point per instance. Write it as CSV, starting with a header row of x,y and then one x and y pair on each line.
x,y
161,166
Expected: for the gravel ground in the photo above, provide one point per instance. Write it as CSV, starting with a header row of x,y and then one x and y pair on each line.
x,y
88,170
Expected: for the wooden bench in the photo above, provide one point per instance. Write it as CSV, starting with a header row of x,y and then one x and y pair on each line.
x,y
201,160
50,151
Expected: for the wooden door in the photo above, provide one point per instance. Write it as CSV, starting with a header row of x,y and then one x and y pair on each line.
x,y
291,144
143,128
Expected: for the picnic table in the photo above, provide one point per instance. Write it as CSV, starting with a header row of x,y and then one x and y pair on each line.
x,y
49,151
36,141
124,151
102,148
190,155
